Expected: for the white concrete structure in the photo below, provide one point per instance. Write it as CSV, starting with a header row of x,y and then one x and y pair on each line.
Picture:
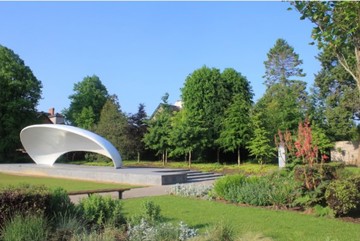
x,y
47,142
282,155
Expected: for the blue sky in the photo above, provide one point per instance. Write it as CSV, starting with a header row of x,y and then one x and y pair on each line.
x,y
140,50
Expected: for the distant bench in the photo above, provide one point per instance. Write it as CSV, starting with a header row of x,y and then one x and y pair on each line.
x,y
89,192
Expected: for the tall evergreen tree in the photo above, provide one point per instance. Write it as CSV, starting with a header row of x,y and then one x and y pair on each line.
x,y
19,96
285,101
113,124
136,130
282,64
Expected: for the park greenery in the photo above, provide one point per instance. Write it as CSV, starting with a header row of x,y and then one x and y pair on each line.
x,y
41,213
219,123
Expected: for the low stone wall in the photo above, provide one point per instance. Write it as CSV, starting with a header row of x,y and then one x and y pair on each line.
x,y
346,151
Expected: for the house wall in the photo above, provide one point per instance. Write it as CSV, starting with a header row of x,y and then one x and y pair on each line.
x,y
346,151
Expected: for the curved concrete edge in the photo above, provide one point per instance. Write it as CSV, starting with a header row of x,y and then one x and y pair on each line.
x,y
45,143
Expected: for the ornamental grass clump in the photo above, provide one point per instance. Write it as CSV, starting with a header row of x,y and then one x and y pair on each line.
x,y
271,190
20,227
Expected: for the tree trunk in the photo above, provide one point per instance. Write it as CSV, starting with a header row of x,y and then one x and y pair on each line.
x,y
138,156
357,57
189,159
166,156
218,155
238,156
163,158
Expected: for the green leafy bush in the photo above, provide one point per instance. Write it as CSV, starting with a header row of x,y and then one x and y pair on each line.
x,y
99,210
24,228
150,213
343,196
59,203
321,211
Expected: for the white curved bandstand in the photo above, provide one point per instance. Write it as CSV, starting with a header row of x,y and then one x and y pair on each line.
x,y
47,142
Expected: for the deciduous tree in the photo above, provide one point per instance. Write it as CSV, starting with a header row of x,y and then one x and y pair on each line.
x,y
19,96
260,144
185,135
337,30
235,128
157,137
90,92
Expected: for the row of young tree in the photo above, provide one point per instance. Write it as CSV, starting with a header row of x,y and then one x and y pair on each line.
x,y
218,114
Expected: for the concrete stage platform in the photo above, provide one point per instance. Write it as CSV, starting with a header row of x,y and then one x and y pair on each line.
x,y
130,175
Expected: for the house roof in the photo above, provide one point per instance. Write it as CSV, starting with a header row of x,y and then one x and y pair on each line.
x,y
161,105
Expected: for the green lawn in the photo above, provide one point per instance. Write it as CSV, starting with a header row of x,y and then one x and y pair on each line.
x,y
279,225
67,184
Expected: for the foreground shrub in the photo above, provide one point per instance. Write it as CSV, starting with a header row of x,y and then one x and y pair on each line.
x,y
220,232
275,189
59,203
33,199
343,196
224,184
313,176
25,228
99,210
65,226
107,234
150,213
24,199
225,232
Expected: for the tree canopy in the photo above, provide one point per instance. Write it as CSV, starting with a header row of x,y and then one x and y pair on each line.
x,y
337,30
19,96
282,64
206,94
90,92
